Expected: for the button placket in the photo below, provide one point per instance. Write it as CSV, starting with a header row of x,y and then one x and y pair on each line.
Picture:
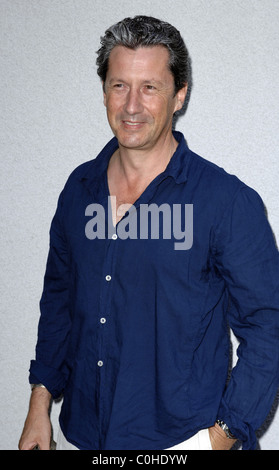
x,y
105,327
105,297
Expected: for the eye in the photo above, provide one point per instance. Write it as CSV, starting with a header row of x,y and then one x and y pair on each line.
x,y
150,87
119,87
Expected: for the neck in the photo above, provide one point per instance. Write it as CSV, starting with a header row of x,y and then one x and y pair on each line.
x,y
139,164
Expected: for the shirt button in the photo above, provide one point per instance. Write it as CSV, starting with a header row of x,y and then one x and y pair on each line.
x,y
100,363
103,320
108,277
114,236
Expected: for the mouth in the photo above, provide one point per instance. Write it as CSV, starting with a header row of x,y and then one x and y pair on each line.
x,y
132,124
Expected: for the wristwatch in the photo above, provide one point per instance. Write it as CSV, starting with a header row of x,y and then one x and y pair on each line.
x,y
36,386
225,429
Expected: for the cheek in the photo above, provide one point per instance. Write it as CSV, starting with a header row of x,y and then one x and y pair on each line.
x,y
113,106
161,114
160,105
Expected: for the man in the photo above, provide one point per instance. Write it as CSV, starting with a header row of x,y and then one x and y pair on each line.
x,y
134,317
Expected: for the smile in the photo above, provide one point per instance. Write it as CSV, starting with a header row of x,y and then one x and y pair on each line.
x,y
132,124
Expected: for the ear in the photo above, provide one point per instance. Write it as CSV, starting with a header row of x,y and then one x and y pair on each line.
x,y
104,94
180,98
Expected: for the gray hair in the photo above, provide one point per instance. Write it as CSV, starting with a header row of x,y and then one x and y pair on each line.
x,y
144,31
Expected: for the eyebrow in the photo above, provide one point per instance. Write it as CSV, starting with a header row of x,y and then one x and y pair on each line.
x,y
152,81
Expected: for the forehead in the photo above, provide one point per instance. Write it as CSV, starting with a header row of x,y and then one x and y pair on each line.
x,y
140,61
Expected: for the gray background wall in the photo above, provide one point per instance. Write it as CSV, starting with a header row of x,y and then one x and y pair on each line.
x,y
53,119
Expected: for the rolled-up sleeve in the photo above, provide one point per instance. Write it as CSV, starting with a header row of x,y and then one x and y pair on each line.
x,y
247,258
55,322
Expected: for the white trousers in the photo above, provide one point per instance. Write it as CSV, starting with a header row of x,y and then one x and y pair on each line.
x,y
200,441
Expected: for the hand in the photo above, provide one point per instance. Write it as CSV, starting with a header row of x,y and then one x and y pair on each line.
x,y
37,427
219,439
37,431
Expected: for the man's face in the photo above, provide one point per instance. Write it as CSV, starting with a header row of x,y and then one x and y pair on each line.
x,y
139,96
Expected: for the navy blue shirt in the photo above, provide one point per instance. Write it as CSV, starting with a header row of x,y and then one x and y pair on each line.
x,y
134,333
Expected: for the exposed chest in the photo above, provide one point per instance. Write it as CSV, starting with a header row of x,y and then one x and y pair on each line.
x,y
125,196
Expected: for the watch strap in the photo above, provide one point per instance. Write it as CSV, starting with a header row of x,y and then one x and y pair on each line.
x,y
225,429
37,386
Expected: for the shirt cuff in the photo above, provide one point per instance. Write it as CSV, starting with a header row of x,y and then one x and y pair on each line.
x,y
51,378
240,429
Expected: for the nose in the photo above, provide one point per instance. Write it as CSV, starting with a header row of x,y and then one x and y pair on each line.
x,y
133,103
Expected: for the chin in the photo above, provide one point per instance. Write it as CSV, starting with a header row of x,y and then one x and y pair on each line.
x,y
131,142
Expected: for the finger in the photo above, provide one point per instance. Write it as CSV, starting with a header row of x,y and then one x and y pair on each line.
x,y
44,445
28,445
